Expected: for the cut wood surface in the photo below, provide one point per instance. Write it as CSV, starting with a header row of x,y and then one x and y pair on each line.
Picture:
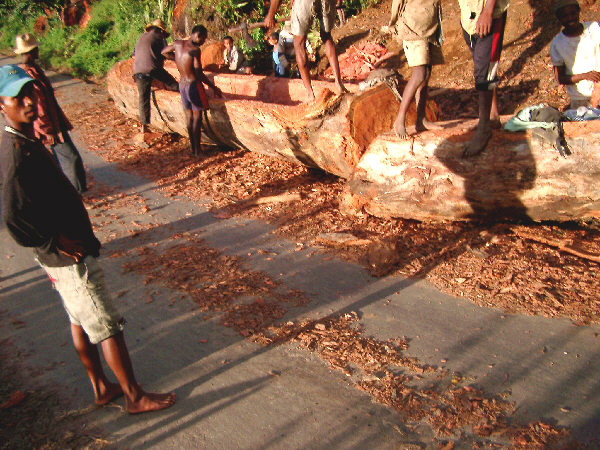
x,y
426,178
265,115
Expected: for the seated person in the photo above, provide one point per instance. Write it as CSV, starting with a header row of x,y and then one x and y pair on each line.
x,y
235,61
284,53
283,50
575,53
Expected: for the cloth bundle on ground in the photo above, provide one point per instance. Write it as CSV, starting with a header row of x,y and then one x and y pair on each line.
x,y
545,123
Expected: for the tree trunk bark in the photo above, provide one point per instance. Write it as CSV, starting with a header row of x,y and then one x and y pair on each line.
x,y
516,176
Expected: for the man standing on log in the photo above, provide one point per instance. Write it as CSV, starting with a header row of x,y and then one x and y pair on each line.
x,y
418,24
51,126
483,23
148,65
42,210
302,11
193,96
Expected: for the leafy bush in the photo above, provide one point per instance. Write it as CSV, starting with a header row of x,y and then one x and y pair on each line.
x,y
115,26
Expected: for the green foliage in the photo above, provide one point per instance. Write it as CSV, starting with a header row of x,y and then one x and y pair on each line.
x,y
110,35
115,26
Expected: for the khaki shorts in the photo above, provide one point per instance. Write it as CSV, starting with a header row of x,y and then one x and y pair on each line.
x,y
85,298
422,53
302,16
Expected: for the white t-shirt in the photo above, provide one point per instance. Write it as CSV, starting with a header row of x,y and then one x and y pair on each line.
x,y
579,54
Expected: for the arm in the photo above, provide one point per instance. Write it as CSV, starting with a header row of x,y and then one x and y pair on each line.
x,y
484,22
169,52
560,72
397,7
43,124
270,17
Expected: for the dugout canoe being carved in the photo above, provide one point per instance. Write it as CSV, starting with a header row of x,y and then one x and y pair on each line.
x,y
422,178
265,115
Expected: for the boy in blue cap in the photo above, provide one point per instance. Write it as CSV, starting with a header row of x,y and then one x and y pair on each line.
x,y
42,209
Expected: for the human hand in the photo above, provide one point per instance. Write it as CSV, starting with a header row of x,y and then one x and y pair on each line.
x,y
71,248
269,21
484,23
592,76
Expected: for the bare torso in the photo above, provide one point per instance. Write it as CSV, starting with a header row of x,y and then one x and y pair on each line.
x,y
187,59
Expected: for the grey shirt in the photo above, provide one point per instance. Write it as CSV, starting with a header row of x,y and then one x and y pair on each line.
x,y
147,56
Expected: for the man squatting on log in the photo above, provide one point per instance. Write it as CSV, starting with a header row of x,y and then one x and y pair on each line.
x,y
575,54
483,23
42,209
187,58
418,24
302,16
148,65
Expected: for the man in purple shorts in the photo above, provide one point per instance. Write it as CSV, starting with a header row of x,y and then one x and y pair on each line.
x,y
483,23
187,58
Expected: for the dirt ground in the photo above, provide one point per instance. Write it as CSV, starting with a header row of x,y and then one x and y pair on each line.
x,y
516,267
544,269
32,414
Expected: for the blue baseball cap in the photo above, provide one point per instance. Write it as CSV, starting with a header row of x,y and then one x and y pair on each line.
x,y
12,79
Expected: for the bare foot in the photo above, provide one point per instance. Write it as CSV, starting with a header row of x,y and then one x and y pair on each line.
x,y
108,393
478,143
148,401
400,129
427,125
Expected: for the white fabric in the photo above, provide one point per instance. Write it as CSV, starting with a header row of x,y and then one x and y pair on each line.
x,y
234,59
578,54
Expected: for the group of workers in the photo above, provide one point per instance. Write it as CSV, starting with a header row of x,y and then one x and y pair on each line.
x,y
43,176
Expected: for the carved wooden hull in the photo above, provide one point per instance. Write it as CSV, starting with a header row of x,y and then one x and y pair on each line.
x,y
265,115
424,178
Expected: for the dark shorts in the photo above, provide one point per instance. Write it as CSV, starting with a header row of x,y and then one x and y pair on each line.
x,y
486,52
193,96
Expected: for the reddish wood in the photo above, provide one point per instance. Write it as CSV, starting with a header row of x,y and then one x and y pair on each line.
x,y
265,115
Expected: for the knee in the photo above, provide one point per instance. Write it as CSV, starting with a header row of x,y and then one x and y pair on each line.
x,y
325,36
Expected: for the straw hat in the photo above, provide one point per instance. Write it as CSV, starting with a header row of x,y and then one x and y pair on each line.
x,y
158,24
25,43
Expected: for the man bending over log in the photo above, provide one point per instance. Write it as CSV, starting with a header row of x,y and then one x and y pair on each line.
x,y
302,11
42,209
187,58
147,66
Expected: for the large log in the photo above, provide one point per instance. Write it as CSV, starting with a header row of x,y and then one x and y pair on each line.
x,y
265,115
518,175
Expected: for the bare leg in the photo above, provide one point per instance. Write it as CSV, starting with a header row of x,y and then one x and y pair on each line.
x,y
189,121
136,399
417,78
302,61
333,61
197,130
421,99
494,114
483,133
104,390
